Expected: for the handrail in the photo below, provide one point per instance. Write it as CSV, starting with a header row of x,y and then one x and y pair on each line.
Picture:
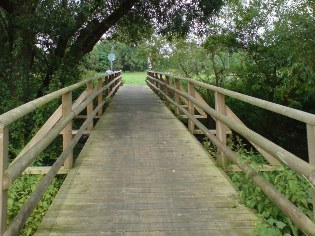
x,y
59,122
16,169
163,88
17,113
296,114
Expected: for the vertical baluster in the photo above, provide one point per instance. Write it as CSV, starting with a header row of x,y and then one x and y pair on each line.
x,y
116,81
89,108
220,127
191,107
161,85
167,90
4,140
100,97
106,82
311,152
157,83
177,99
67,131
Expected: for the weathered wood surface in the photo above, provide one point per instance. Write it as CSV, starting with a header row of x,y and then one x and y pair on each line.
x,y
142,173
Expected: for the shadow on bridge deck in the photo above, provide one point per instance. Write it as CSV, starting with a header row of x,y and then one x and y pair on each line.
x,y
142,173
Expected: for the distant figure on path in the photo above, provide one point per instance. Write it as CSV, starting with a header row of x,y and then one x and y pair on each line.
x,y
109,71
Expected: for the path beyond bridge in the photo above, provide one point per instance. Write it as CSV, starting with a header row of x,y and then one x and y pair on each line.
x,y
142,172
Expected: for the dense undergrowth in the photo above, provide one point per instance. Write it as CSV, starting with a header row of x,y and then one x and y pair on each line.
x,y
272,221
20,191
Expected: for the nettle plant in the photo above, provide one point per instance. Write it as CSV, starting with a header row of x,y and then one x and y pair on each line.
x,y
20,191
292,185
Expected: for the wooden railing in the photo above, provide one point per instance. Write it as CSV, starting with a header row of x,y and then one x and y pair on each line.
x,y
59,122
169,87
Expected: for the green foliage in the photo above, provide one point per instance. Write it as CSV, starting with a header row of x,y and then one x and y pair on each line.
x,y
273,221
292,185
128,57
19,192
265,50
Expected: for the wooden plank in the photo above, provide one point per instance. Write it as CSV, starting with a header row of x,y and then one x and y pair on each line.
x,y
4,142
67,131
197,116
106,81
168,92
220,127
177,98
162,80
191,107
311,153
89,108
85,116
263,168
151,174
84,132
43,170
100,97
198,131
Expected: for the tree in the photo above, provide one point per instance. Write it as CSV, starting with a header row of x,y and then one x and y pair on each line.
x,y
44,43
45,40
275,44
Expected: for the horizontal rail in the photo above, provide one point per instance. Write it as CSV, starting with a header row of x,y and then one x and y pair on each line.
x,y
55,117
17,113
294,213
36,196
296,114
273,149
17,167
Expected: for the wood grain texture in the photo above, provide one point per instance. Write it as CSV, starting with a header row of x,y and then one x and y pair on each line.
x,y
142,173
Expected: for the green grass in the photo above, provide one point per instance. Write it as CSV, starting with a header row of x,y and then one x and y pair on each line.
x,y
134,77
127,77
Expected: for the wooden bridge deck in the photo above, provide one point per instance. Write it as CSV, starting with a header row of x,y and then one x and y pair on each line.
x,y
142,173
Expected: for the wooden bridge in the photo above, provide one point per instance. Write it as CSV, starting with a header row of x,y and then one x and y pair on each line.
x,y
142,172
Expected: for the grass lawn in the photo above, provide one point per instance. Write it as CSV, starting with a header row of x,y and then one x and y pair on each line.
x,y
127,77
134,77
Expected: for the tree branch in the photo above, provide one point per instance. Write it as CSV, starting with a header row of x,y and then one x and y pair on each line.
x,y
94,30
8,6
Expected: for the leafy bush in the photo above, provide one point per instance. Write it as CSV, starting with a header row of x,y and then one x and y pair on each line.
x,y
293,186
20,191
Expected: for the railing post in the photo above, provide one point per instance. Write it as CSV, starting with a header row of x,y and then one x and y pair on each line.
x,y
191,107
100,97
177,98
157,84
111,77
106,92
311,152
67,131
220,127
114,77
167,90
89,108
150,80
4,142
161,85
